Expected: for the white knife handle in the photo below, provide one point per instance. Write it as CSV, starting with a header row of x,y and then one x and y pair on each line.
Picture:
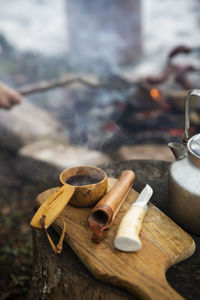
x,y
127,238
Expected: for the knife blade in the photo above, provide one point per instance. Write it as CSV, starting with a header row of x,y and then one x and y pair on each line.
x,y
144,197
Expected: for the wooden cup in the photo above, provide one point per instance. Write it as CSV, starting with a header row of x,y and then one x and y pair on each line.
x,y
80,195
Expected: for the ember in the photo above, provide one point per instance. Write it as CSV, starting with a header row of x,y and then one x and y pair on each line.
x,y
176,132
155,94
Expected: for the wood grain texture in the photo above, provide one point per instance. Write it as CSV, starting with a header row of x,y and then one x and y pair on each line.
x,y
52,207
127,237
103,214
141,273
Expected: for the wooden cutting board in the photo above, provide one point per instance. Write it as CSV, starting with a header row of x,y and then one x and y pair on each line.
x,y
141,273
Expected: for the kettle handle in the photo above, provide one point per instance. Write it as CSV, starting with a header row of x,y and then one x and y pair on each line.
x,y
191,93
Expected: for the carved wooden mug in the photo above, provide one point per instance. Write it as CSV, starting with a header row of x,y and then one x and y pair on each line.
x,y
82,186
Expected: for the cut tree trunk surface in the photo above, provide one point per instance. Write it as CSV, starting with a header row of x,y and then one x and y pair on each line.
x,y
65,277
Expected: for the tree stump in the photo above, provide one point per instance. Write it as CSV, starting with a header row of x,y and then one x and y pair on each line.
x,y
58,277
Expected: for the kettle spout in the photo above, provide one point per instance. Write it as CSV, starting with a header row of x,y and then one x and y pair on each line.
x,y
178,150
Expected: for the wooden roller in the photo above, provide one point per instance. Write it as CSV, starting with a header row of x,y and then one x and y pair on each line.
x,y
103,214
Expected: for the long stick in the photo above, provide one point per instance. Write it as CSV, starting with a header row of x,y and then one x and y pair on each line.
x,y
43,86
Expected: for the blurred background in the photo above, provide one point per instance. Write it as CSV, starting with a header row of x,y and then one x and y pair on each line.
x,y
121,68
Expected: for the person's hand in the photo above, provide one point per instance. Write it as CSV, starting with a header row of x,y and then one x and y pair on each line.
x,y
8,97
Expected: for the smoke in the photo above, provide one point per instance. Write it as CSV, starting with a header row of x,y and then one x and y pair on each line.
x,y
103,34
91,116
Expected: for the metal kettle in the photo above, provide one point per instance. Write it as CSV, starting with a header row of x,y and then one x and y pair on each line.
x,y
184,177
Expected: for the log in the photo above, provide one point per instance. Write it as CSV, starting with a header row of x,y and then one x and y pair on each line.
x,y
61,277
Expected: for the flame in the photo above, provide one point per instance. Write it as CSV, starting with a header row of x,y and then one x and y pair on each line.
x,y
155,94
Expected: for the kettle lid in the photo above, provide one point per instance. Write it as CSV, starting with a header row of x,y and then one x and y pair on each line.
x,y
194,145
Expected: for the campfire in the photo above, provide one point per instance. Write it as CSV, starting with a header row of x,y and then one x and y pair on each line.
x,y
116,111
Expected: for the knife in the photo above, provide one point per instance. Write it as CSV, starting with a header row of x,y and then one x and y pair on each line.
x,y
127,238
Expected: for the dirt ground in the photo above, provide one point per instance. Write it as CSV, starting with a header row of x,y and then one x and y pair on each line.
x,y
17,194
